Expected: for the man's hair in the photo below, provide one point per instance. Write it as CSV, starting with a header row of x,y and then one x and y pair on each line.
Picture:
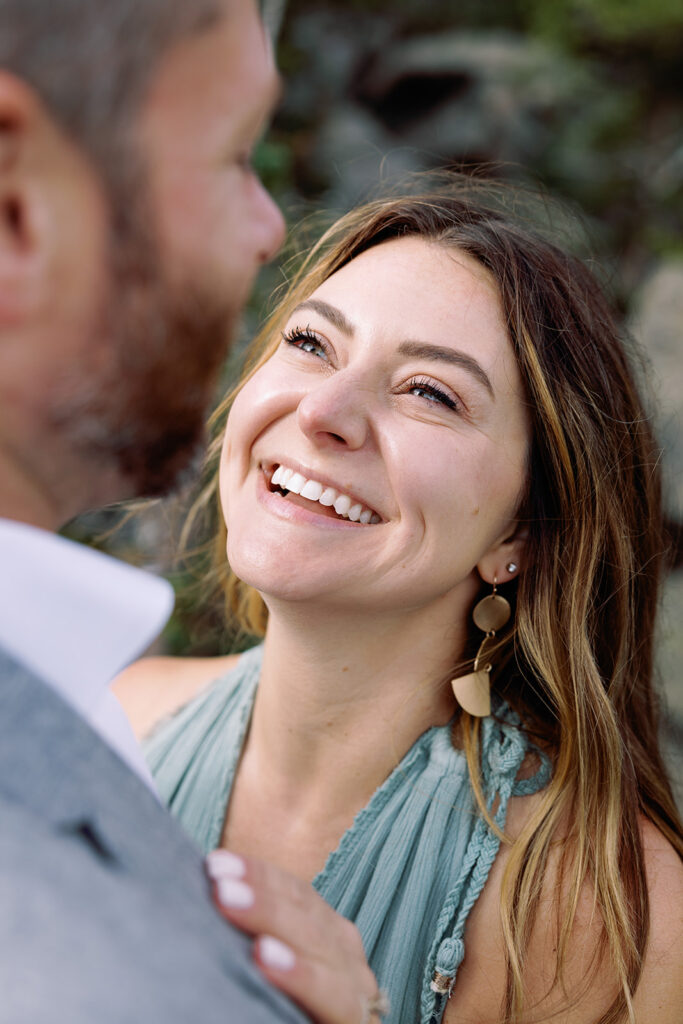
x,y
90,61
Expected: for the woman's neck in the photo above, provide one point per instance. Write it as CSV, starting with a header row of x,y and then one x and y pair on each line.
x,y
342,698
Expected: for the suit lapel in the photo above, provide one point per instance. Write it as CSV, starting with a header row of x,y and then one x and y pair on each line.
x,y
56,766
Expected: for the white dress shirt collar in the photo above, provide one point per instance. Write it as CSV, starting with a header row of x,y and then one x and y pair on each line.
x,y
75,617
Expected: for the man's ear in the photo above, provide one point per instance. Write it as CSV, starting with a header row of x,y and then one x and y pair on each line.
x,y
506,558
21,124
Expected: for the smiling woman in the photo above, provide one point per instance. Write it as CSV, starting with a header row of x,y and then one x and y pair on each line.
x,y
439,443
384,404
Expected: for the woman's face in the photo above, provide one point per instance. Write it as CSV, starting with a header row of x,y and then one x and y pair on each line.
x,y
395,393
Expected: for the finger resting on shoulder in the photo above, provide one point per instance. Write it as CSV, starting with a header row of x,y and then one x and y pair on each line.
x,y
329,994
261,898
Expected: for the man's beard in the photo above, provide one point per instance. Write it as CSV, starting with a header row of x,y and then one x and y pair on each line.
x,y
138,403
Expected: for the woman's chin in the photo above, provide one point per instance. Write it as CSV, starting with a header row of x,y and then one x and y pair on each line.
x,y
274,576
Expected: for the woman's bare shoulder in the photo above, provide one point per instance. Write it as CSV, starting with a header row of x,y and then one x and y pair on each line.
x,y
481,980
660,992
152,688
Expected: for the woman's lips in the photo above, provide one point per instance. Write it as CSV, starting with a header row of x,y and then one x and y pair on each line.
x,y
286,479
322,510
298,509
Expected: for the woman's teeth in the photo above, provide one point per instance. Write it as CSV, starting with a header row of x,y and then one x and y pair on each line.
x,y
343,505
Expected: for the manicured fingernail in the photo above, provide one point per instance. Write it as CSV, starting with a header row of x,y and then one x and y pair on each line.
x,y
233,894
223,864
274,953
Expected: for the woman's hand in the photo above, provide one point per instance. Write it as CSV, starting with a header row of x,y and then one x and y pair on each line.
x,y
303,946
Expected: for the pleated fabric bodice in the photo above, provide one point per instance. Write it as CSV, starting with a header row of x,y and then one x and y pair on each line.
x,y
408,870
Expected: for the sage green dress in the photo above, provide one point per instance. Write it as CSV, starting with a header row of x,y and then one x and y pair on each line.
x,y
416,857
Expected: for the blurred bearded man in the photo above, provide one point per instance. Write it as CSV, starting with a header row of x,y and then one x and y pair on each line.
x,y
131,228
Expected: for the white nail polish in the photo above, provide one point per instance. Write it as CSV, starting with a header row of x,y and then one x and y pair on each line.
x,y
233,894
223,864
275,954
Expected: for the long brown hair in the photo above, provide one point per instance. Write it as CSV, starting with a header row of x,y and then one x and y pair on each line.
x,y
578,665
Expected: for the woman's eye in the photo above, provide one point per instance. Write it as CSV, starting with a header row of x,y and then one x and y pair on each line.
x,y
306,340
432,393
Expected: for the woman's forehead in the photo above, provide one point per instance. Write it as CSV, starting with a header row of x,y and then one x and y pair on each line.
x,y
420,251
416,287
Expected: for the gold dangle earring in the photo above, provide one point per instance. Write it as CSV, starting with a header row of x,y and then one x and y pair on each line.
x,y
473,691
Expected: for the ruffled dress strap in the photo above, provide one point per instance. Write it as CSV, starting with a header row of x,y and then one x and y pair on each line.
x,y
194,753
504,747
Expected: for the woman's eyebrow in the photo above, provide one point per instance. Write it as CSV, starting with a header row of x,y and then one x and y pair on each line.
x,y
413,349
423,350
331,313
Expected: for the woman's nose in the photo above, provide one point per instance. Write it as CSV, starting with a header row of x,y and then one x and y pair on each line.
x,y
335,413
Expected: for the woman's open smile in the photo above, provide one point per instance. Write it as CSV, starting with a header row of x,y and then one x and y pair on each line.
x,y
304,489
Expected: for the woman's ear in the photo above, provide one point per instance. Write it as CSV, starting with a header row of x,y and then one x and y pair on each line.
x,y
506,559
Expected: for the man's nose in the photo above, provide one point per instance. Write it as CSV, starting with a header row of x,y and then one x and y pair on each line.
x,y
271,227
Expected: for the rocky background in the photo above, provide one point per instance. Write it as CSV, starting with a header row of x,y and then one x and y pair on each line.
x,y
584,97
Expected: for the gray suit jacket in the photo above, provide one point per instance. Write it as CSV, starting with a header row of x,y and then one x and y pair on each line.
x,y
105,914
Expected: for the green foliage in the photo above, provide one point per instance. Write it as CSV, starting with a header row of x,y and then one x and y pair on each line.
x,y
273,162
617,21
